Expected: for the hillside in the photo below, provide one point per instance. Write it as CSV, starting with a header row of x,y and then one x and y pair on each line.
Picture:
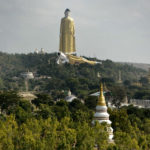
x,y
138,65
75,77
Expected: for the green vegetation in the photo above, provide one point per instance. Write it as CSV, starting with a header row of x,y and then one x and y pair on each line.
x,y
49,122
80,79
67,126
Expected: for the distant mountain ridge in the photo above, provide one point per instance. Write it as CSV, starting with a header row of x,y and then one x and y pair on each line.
x,y
138,65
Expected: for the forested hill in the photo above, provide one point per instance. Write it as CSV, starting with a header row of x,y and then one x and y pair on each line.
x,y
83,76
138,65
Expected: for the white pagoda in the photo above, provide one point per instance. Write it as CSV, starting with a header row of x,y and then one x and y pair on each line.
x,y
101,114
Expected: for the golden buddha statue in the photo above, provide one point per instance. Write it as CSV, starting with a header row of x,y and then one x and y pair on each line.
x,y
67,38
67,43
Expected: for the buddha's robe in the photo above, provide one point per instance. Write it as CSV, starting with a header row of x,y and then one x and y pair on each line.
x,y
67,38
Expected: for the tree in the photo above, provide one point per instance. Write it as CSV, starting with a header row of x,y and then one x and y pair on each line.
x,y
120,120
45,111
144,80
124,141
43,99
76,105
127,83
61,109
66,136
73,84
142,94
8,100
118,95
91,102
8,130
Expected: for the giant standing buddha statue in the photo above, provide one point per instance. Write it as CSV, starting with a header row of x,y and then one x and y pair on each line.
x,y
67,47
67,38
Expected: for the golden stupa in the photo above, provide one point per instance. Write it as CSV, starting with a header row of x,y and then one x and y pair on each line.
x,y
67,42
101,99
101,115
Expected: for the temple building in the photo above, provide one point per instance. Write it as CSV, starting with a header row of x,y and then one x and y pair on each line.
x,y
70,97
42,51
137,83
27,75
101,114
67,46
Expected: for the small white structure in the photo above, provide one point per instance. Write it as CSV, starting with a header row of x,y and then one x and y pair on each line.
x,y
70,97
140,103
62,58
101,114
27,95
27,75
42,51
43,77
36,51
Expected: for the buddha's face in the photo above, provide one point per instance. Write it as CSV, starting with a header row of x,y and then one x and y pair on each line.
x,y
67,13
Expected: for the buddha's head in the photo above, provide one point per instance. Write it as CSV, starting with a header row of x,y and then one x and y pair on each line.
x,y
67,12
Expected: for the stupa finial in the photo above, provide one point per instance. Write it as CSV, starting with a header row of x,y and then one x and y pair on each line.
x,y
101,99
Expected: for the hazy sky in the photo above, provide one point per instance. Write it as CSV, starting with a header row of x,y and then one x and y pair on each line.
x,y
107,29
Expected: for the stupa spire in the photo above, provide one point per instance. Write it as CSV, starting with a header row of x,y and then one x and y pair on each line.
x,y
101,99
